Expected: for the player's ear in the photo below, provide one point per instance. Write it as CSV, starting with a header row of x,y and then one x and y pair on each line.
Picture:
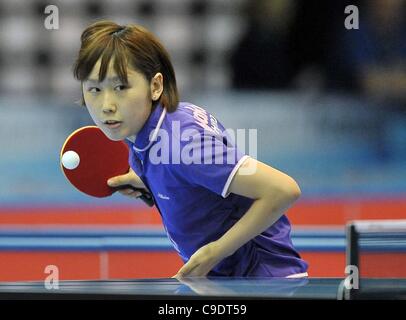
x,y
157,86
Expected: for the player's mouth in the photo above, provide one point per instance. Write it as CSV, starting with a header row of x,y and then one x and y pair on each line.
x,y
112,124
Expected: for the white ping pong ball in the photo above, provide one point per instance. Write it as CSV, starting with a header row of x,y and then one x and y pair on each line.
x,y
70,160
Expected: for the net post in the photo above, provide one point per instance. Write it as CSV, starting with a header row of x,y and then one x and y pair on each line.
x,y
352,253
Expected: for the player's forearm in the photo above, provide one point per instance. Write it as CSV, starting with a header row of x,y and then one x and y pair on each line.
x,y
263,213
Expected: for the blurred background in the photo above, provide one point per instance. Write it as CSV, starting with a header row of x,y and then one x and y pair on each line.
x,y
329,105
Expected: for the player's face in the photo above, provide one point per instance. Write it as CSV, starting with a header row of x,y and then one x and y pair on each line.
x,y
118,110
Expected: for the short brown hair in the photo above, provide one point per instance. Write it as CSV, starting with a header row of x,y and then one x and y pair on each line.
x,y
129,45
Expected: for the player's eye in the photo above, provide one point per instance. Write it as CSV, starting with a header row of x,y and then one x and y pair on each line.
x,y
93,90
120,87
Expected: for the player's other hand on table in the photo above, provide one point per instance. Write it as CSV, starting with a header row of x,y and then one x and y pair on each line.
x,y
125,183
202,261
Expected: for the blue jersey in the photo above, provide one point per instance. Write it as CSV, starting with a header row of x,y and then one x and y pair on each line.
x,y
188,163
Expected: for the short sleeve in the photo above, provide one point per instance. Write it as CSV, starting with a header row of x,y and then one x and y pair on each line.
x,y
210,161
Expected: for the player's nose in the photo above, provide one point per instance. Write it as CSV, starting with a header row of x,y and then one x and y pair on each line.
x,y
109,105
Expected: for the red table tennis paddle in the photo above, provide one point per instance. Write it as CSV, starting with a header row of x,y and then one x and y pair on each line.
x,y
89,159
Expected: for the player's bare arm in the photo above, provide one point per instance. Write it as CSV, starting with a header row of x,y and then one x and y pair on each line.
x,y
274,192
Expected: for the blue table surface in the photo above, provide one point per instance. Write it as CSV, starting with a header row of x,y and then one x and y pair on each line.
x,y
215,287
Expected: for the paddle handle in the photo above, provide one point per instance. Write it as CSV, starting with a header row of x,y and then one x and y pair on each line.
x,y
145,195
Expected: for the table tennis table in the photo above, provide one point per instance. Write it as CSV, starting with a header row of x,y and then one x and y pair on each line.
x,y
207,288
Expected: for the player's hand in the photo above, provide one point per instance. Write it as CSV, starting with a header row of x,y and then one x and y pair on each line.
x,y
130,178
202,261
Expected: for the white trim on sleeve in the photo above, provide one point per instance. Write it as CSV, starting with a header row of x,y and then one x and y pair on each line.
x,y
298,275
225,192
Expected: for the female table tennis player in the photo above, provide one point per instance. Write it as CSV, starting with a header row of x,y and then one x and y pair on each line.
x,y
221,220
